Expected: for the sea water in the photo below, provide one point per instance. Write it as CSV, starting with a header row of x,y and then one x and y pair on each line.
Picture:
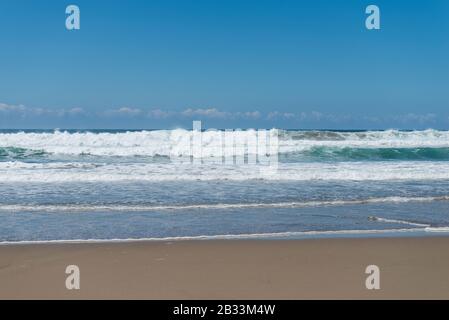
x,y
99,185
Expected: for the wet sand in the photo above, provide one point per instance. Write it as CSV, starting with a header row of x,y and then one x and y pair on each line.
x,y
410,268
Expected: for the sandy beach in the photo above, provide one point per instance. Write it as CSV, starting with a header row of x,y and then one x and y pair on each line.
x,y
410,268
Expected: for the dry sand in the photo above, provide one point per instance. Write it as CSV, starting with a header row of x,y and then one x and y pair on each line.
x,y
416,268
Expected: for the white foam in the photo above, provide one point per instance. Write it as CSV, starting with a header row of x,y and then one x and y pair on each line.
x,y
371,139
141,143
153,172
401,222
437,229
162,142
283,235
218,206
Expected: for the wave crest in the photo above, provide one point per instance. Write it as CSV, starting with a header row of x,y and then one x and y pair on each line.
x,y
161,142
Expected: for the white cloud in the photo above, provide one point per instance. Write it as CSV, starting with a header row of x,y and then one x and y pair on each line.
x,y
129,112
312,117
125,111
210,113
24,111
280,115
412,117
76,111
249,115
159,114
215,113
11,108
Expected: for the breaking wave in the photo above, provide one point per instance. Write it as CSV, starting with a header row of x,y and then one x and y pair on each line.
x,y
390,144
13,153
374,154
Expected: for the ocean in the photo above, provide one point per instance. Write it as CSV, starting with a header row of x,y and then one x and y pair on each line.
x,y
117,185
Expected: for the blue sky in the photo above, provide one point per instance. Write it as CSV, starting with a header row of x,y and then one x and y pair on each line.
x,y
163,63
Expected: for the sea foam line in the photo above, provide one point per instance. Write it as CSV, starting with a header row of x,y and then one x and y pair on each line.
x,y
399,222
115,208
152,172
284,235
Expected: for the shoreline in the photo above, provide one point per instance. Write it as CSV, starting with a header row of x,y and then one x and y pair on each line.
x,y
278,236
410,268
